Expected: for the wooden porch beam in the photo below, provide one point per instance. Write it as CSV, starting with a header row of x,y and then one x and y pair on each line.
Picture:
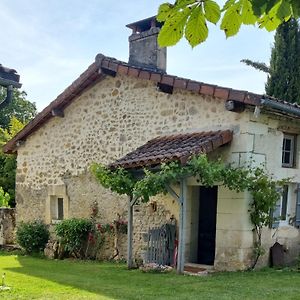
x,y
131,202
182,226
173,193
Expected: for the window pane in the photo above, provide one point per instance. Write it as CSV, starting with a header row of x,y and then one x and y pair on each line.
x,y
284,202
288,144
286,158
60,208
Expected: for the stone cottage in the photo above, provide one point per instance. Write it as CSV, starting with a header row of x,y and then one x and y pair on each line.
x,y
115,107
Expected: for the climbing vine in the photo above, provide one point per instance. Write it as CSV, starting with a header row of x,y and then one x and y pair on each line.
x,y
262,187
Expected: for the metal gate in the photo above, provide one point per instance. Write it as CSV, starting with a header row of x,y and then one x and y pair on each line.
x,y
161,245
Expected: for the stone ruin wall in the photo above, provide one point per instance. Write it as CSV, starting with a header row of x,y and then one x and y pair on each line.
x,y
7,226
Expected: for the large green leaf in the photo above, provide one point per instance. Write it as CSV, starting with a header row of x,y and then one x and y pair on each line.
x,y
259,6
196,30
212,11
271,4
271,21
232,21
228,4
173,28
248,16
284,10
164,12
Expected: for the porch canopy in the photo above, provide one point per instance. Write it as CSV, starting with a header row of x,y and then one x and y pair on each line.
x,y
176,147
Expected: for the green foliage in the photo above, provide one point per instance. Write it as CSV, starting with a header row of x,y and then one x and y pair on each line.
x,y
189,18
4,198
32,236
256,65
19,108
8,163
73,235
263,188
119,180
284,70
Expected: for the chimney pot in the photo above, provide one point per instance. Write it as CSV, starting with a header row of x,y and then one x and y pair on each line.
x,y
144,50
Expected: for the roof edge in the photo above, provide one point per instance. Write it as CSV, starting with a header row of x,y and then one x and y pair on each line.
x,y
107,65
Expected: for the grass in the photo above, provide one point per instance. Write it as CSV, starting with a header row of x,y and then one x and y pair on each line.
x,y
37,278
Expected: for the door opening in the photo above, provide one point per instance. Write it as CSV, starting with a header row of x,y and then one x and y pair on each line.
x,y
208,197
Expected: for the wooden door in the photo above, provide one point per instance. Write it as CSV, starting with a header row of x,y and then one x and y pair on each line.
x,y
207,225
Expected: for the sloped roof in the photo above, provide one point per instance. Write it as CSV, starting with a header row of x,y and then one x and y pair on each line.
x,y
176,147
104,65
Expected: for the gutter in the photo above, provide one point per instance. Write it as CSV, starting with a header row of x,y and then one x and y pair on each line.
x,y
281,106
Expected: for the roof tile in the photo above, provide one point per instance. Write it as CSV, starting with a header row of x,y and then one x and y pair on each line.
x,y
237,95
207,89
133,72
176,147
221,92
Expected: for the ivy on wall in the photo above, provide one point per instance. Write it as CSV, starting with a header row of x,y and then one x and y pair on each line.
x,y
262,187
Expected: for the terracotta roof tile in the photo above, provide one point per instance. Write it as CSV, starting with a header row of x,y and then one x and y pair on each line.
x,y
93,74
176,147
207,89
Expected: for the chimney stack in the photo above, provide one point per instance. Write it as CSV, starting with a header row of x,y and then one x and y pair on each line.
x,y
144,50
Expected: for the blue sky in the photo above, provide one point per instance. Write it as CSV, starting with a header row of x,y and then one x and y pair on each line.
x,y
50,43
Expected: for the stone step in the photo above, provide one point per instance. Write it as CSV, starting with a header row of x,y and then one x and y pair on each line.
x,y
197,269
10,247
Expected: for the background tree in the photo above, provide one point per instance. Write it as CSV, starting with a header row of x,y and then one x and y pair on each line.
x,y
188,18
19,107
8,162
284,79
13,117
284,71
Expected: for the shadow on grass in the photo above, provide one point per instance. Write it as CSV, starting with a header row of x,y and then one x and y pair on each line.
x,y
114,281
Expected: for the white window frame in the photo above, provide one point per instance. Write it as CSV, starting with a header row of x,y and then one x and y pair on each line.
x,y
289,200
51,211
292,138
54,209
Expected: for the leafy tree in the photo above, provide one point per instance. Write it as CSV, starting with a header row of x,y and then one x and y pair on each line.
x,y
189,18
19,107
8,163
284,71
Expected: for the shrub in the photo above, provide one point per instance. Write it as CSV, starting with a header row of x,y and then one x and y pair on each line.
x,y
73,235
32,236
4,198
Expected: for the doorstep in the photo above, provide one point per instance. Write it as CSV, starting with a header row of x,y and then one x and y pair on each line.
x,y
198,269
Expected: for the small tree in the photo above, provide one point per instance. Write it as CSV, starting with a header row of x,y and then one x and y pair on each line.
x,y
4,198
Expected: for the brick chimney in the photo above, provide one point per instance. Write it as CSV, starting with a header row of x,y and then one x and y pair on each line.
x,y
144,50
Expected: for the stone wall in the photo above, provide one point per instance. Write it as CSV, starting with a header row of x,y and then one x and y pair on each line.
x,y
7,226
115,117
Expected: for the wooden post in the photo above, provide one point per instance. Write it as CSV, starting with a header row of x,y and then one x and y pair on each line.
x,y
130,233
182,226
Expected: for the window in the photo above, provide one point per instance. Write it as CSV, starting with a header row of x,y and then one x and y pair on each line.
x,y
288,150
57,208
284,201
280,211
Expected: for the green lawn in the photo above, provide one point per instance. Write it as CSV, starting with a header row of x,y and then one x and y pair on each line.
x,y
35,278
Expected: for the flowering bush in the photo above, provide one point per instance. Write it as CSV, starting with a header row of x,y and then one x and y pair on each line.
x,y
121,226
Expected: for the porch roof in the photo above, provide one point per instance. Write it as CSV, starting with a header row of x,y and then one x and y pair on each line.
x,y
176,147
